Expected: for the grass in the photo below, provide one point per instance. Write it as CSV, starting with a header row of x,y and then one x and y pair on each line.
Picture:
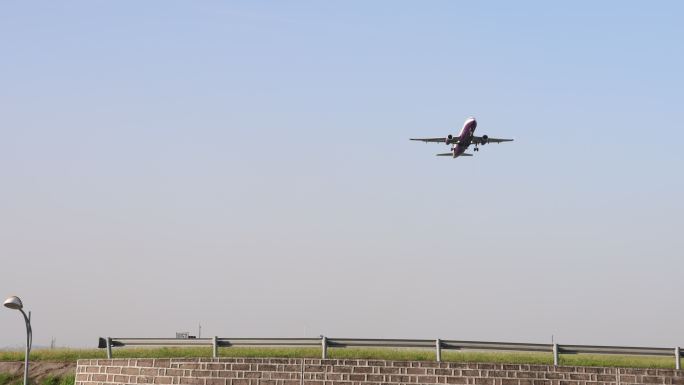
x,y
70,355
8,379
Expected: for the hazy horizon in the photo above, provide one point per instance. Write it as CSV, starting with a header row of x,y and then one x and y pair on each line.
x,y
246,166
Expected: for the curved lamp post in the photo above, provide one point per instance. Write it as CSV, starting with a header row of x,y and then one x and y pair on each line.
x,y
14,302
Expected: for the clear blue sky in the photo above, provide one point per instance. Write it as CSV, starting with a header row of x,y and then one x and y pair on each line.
x,y
247,165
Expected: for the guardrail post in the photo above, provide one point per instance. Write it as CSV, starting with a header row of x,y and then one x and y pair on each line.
x,y
109,347
438,349
214,350
678,358
555,354
324,347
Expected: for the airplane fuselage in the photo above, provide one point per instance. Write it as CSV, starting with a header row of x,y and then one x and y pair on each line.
x,y
464,138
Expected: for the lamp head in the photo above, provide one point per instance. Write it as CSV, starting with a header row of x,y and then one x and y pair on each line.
x,y
13,302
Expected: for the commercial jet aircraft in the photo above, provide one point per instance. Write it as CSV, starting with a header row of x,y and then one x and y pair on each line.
x,y
463,140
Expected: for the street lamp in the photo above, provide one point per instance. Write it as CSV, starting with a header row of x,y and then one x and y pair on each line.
x,y
14,302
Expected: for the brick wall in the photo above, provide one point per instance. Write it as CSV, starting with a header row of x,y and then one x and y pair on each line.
x,y
283,371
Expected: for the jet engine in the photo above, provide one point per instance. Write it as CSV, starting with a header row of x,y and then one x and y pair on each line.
x,y
485,138
448,139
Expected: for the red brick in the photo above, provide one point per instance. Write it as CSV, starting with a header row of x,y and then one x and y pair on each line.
x,y
496,373
266,368
253,360
130,371
216,381
149,372
652,380
484,381
377,363
580,376
666,372
456,380
162,363
386,370
362,369
283,376
427,379
200,373
191,381
553,376
632,371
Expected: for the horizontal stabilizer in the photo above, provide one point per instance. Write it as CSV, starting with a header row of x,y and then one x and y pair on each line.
x,y
452,154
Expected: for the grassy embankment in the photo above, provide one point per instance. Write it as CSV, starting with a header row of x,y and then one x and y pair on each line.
x,y
8,379
382,354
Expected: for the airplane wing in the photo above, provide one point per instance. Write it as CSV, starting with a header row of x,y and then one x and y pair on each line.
x,y
434,140
480,140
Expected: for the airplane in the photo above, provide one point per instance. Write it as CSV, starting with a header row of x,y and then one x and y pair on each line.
x,y
463,140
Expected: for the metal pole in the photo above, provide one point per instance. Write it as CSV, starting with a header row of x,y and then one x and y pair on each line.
x,y
678,358
438,350
324,347
215,347
109,347
29,341
555,354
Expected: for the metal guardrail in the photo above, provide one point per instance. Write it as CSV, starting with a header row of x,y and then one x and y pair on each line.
x,y
438,345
